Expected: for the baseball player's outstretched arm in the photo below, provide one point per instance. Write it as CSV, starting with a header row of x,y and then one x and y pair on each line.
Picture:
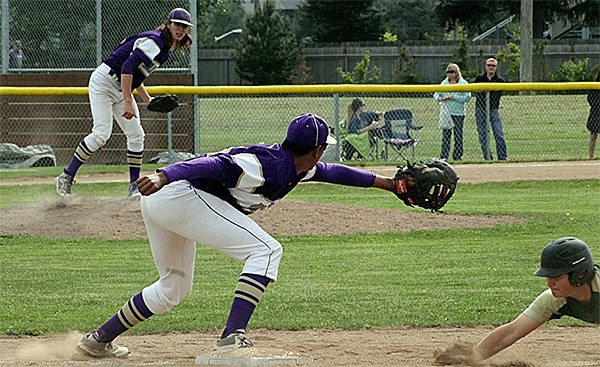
x,y
506,335
387,183
500,338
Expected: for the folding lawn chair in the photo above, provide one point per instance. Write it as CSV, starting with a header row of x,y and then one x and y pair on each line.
x,y
397,134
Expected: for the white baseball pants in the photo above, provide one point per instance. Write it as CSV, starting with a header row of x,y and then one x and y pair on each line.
x,y
106,101
179,216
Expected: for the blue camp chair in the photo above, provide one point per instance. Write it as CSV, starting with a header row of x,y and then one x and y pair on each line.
x,y
398,134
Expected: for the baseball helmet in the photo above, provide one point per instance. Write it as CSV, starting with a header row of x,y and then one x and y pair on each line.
x,y
567,255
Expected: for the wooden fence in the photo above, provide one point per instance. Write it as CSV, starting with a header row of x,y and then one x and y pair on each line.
x,y
217,67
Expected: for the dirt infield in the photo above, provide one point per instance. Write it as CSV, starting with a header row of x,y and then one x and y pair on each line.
x,y
406,347
410,347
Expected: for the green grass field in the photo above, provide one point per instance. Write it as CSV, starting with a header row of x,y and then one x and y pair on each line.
x,y
464,277
537,127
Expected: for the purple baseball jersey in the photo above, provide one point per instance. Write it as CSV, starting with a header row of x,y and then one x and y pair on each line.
x,y
139,55
255,177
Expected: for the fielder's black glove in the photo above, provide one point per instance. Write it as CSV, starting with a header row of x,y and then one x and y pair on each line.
x,y
435,184
164,103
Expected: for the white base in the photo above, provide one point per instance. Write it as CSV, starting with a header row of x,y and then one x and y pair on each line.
x,y
251,361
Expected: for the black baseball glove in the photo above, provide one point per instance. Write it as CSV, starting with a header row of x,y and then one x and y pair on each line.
x,y
435,184
164,103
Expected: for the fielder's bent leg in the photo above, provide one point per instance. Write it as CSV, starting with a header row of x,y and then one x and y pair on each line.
x,y
99,344
248,292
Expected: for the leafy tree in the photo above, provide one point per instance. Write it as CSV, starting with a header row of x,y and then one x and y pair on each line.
x,y
405,73
336,21
268,50
204,10
410,19
478,16
362,74
573,72
52,35
389,37
511,54
302,76
62,33
460,56
220,19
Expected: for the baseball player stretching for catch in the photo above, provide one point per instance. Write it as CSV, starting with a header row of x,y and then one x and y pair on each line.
x,y
110,94
206,200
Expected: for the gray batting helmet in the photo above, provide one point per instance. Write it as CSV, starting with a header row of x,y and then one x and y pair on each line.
x,y
567,255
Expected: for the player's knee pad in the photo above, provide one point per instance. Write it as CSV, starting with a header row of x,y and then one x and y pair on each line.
x,y
95,141
168,291
265,261
135,142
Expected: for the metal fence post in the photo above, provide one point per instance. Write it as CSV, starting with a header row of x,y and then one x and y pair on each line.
x,y
170,137
5,36
488,119
194,70
336,125
98,32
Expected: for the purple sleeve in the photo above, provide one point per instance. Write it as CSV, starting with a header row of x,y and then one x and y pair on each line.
x,y
131,63
343,175
215,168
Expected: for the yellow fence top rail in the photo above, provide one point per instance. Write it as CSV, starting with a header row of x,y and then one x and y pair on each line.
x,y
318,88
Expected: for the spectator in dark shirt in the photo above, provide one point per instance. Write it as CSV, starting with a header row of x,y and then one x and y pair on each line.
x,y
16,56
481,115
593,122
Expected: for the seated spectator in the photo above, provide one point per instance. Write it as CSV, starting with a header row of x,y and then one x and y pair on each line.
x,y
354,146
358,122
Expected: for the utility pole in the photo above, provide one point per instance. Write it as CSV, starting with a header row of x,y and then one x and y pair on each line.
x,y
526,69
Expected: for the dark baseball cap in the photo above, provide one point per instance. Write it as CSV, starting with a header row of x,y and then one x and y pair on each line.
x,y
309,130
180,15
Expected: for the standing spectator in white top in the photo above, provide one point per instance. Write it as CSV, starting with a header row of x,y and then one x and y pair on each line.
x,y
452,105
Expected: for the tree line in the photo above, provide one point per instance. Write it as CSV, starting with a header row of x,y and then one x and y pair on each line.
x,y
269,50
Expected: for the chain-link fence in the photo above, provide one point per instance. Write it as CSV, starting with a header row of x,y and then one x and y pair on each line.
x,y
75,35
538,125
